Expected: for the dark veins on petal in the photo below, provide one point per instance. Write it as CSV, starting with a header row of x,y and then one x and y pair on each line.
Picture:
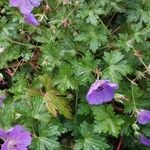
x,y
99,89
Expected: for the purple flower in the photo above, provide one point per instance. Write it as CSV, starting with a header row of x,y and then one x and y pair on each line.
x,y
144,140
101,91
2,97
25,6
16,138
30,19
143,116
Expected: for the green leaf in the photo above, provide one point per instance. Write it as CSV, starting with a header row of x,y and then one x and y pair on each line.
x,y
83,109
92,36
84,67
117,67
92,18
7,32
9,54
46,36
7,114
47,139
51,57
90,14
55,103
90,140
106,121
20,87
65,79
33,109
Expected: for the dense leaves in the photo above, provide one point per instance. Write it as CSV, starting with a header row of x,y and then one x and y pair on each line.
x,y
46,71
89,139
106,121
116,66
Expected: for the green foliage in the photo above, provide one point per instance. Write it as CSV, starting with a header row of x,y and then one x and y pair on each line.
x,y
83,109
7,120
106,121
9,55
117,67
84,67
47,138
51,57
93,36
46,71
65,79
90,140
53,101
33,109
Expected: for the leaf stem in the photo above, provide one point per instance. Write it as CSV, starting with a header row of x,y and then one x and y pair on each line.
x,y
19,43
76,105
70,13
133,98
120,143
144,64
106,28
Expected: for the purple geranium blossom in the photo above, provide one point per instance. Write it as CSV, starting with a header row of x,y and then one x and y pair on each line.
x,y
144,140
101,91
143,116
25,6
15,139
2,97
30,19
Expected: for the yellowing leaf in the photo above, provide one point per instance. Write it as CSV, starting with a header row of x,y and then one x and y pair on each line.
x,y
57,104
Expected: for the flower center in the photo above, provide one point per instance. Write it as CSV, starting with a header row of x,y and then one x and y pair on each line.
x,y
99,89
12,144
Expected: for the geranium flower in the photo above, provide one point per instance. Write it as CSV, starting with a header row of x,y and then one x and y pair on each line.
x,y
101,91
143,116
16,138
30,19
144,140
25,6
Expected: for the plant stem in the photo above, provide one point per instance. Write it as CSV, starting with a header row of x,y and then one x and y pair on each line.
x,y
19,43
120,142
133,98
144,64
76,105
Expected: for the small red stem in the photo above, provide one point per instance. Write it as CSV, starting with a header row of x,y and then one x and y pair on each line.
x,y
119,145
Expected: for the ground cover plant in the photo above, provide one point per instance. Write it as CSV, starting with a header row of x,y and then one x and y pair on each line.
x,y
74,75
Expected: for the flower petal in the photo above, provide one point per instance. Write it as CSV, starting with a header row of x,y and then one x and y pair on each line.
x,y
35,3
98,97
30,19
101,91
5,146
114,86
144,140
17,138
26,7
20,133
143,116
95,85
14,3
